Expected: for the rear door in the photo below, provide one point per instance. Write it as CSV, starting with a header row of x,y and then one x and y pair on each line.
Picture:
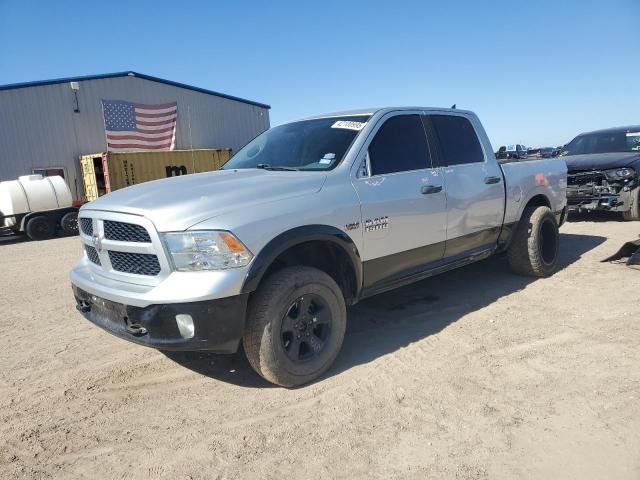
x,y
402,201
473,180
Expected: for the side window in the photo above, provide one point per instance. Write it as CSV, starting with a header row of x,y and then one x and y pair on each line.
x,y
458,141
399,146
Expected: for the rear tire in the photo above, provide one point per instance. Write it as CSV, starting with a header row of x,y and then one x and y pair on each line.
x,y
634,212
69,223
40,227
534,248
295,326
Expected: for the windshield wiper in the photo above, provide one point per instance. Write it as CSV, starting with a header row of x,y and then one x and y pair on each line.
x,y
266,166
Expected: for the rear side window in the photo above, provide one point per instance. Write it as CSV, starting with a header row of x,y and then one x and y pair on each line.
x,y
399,146
458,141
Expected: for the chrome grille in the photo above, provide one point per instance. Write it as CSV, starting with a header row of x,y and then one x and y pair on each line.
x,y
86,225
123,247
137,263
125,232
92,254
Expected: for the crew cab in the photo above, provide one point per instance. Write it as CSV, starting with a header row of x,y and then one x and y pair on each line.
x,y
308,218
603,171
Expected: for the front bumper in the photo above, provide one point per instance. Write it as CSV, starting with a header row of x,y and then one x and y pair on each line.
x,y
596,190
177,287
217,325
580,198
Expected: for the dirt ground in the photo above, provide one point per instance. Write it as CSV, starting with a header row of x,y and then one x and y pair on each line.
x,y
474,374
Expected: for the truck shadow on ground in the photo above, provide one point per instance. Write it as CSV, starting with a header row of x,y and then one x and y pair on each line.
x,y
387,322
596,216
11,239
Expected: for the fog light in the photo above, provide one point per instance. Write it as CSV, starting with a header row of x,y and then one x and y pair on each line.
x,y
185,325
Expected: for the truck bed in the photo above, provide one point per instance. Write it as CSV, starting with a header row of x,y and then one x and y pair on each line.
x,y
524,180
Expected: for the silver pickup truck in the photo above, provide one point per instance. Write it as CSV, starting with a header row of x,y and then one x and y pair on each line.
x,y
308,218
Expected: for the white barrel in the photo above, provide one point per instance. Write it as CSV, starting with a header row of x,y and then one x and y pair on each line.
x,y
33,193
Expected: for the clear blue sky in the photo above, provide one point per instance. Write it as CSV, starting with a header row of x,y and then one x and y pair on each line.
x,y
537,72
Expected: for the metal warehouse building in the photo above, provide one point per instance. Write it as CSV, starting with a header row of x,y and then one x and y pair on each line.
x,y
45,126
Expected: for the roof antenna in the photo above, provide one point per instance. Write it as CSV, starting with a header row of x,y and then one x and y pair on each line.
x,y
453,107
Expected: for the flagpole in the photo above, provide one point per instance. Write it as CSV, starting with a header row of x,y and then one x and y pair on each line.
x,y
104,122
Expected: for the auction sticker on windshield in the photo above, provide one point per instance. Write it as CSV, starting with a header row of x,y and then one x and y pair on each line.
x,y
349,125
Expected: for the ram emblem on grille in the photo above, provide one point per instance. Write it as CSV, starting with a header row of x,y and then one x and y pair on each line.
x,y
96,241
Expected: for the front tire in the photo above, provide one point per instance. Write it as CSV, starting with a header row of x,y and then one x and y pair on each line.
x,y
295,326
634,212
534,248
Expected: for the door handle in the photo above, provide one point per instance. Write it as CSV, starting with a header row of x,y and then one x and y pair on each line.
x,y
490,180
431,189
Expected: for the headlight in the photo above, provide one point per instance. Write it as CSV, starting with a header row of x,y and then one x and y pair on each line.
x,y
206,250
620,173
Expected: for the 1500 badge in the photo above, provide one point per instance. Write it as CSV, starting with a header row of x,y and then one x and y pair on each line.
x,y
352,226
372,224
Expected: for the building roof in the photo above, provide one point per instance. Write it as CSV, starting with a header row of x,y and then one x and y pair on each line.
x,y
129,73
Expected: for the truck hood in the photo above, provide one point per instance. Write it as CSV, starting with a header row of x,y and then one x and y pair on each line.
x,y
602,161
178,203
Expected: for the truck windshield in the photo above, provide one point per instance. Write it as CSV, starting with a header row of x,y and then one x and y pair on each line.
x,y
604,142
316,144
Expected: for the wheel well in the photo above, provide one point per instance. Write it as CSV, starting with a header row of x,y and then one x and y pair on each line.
x,y
323,255
506,236
538,201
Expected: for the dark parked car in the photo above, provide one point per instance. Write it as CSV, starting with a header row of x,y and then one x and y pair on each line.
x,y
546,152
603,171
517,151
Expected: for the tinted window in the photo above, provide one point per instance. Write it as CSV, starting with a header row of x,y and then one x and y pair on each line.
x,y
400,145
626,140
458,141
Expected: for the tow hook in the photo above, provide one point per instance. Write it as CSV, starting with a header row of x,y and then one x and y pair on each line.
x,y
135,329
83,307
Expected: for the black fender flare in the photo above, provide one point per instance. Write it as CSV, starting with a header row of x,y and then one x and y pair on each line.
x,y
296,236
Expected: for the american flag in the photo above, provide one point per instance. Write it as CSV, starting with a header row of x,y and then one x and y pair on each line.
x,y
136,126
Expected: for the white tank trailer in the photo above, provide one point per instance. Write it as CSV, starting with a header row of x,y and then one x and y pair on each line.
x,y
38,206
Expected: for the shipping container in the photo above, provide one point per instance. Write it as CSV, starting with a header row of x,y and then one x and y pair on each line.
x,y
106,172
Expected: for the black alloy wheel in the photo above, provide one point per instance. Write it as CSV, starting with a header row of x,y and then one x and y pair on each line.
x,y
305,328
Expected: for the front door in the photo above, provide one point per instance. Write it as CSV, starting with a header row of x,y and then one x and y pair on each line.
x,y
402,201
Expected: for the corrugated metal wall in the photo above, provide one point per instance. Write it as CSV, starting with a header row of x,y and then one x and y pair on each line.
x,y
38,127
